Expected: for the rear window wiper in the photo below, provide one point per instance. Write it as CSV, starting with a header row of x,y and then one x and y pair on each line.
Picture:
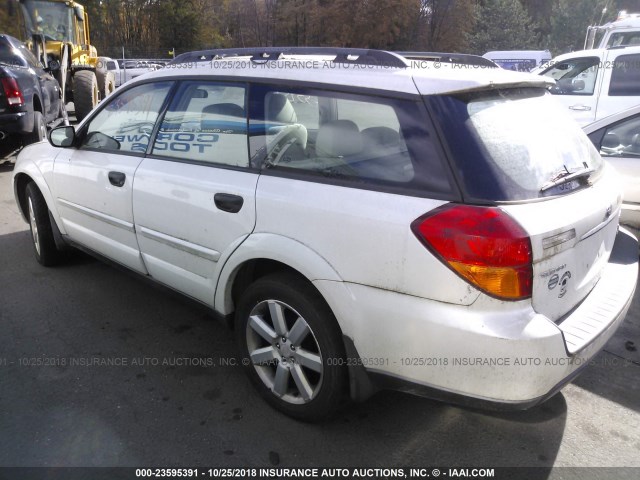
x,y
566,176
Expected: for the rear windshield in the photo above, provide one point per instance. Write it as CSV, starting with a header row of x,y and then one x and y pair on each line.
x,y
514,145
9,56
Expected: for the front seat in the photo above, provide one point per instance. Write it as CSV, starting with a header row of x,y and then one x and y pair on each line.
x,y
286,139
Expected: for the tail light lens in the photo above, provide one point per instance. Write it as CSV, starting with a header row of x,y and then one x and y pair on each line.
x,y
483,245
12,91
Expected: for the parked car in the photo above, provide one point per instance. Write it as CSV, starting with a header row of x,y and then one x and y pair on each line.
x,y
29,96
594,84
444,231
134,68
519,60
617,137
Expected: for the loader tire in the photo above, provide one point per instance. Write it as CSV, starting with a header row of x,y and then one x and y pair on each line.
x,y
106,83
85,92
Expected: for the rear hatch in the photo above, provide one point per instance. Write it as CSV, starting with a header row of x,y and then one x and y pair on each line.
x,y
523,154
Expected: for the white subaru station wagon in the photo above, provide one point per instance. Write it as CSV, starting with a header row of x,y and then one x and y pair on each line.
x,y
364,220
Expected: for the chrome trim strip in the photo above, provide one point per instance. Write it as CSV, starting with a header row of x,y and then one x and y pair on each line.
x,y
597,228
177,243
116,222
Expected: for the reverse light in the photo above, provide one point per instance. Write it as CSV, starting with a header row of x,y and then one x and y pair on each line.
x,y
483,245
12,91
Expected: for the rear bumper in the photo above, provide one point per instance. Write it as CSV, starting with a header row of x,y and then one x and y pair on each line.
x,y
491,354
14,123
630,215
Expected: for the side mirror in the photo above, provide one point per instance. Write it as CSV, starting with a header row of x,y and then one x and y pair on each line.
x,y
577,85
62,136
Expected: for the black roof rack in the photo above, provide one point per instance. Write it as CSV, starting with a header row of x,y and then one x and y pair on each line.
x,y
355,56
457,58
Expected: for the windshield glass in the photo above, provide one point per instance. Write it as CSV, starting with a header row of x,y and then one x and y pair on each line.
x,y
516,142
52,19
624,39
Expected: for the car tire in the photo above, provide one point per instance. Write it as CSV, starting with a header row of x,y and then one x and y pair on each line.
x,y
39,131
85,92
42,238
281,317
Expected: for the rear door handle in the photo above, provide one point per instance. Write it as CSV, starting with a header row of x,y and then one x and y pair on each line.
x,y
581,108
117,179
228,202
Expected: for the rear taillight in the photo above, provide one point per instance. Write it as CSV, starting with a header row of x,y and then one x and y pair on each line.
x,y
12,91
483,245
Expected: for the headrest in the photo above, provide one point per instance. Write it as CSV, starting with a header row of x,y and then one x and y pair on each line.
x,y
228,109
338,138
278,109
380,136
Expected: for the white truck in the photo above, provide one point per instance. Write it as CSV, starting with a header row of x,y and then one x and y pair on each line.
x,y
596,83
110,64
624,31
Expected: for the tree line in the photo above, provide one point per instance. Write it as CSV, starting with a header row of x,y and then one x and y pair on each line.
x,y
152,28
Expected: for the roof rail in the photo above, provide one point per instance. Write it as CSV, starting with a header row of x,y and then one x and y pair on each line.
x,y
457,58
354,56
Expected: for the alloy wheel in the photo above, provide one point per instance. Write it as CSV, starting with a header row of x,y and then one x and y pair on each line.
x,y
284,352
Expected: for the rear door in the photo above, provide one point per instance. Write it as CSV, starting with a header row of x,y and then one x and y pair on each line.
x,y
621,84
344,175
194,196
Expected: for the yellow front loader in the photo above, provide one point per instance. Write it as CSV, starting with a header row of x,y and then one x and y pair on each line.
x,y
58,33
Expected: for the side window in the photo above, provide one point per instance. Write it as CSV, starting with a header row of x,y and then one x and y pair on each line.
x,y
127,121
622,139
206,122
574,77
625,76
30,57
355,138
